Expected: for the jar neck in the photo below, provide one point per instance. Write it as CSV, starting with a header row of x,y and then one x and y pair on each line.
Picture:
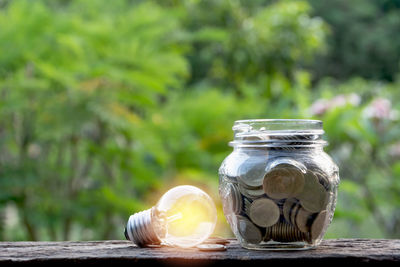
x,y
254,150
278,134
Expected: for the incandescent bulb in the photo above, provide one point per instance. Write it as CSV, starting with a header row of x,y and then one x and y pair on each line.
x,y
185,216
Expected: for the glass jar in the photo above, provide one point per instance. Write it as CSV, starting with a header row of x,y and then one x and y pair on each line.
x,y
278,187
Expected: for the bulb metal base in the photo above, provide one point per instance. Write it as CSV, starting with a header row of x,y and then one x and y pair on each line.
x,y
139,229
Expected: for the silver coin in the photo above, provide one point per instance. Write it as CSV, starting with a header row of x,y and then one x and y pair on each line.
x,y
211,247
247,205
285,161
284,232
216,240
283,181
287,208
264,212
153,245
254,136
231,199
314,197
251,193
323,179
248,231
318,224
302,217
252,171
232,164
236,199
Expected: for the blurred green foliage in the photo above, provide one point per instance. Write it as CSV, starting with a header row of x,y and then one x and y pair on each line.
x,y
364,39
104,106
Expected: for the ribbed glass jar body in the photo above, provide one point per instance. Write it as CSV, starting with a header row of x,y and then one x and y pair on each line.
x,y
278,187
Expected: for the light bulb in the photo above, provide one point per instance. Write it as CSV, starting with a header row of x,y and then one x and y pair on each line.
x,y
184,216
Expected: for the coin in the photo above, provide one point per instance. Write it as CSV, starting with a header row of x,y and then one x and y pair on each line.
x,y
254,137
287,208
232,164
284,232
153,245
285,161
231,199
251,193
268,234
318,224
264,212
211,247
302,218
283,182
293,213
323,179
248,231
252,171
236,199
247,205
216,240
314,197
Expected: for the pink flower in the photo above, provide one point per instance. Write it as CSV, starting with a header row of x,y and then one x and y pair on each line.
x,y
381,108
321,106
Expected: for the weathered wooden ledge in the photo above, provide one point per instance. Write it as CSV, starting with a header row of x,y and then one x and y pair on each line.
x,y
123,253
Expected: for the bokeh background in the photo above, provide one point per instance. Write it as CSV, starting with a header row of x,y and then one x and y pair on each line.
x,y
104,105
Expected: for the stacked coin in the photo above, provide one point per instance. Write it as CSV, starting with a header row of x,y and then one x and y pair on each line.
x,y
284,232
231,199
288,205
292,140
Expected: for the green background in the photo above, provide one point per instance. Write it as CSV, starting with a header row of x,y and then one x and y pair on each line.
x,y
104,105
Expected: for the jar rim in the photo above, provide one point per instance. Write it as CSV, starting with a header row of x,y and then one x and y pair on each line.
x,y
279,120
278,133
281,124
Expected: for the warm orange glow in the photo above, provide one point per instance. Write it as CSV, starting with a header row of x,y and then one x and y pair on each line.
x,y
188,217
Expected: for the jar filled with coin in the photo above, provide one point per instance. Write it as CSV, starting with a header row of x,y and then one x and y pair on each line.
x,y
278,187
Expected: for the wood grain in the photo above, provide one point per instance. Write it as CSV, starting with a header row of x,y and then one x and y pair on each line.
x,y
124,253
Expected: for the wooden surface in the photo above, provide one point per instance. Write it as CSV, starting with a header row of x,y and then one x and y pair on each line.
x,y
123,253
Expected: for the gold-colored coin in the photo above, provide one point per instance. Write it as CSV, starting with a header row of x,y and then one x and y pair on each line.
x,y
283,182
264,212
314,197
248,231
318,224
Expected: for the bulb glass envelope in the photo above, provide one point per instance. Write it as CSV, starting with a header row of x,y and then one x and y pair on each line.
x,y
185,216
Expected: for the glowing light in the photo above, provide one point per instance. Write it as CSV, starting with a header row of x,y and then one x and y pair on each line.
x,y
184,216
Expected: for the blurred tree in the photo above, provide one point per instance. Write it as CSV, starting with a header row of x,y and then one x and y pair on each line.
x,y
76,84
104,106
364,39
361,124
